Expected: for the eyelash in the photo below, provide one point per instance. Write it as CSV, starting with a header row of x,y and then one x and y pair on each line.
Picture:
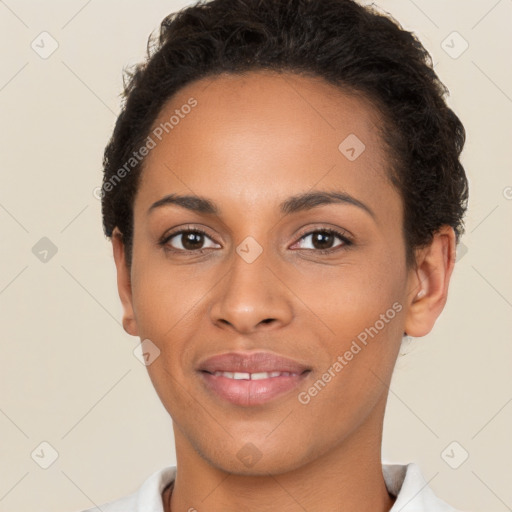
x,y
341,235
330,231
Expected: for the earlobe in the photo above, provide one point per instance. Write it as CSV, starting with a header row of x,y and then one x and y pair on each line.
x,y
429,281
124,286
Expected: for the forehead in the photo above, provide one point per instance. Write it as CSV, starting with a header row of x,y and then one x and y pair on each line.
x,y
265,135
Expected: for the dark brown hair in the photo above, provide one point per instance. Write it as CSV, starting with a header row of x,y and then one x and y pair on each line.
x,y
351,46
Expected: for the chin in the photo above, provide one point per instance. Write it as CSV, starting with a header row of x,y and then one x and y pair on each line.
x,y
256,458
273,465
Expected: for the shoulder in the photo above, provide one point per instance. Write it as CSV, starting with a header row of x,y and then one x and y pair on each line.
x,y
147,498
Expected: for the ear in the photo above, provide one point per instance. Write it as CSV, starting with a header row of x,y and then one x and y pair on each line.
x,y
428,282
124,286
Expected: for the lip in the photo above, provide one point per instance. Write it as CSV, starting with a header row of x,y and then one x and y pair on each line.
x,y
248,393
251,362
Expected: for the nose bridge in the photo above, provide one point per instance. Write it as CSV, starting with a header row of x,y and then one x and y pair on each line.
x,y
251,294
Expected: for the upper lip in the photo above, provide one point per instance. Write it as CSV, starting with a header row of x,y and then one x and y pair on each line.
x,y
251,362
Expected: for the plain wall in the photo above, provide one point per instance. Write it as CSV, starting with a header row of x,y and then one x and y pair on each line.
x,y
68,375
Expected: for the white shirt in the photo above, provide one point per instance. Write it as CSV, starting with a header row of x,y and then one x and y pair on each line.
x,y
405,482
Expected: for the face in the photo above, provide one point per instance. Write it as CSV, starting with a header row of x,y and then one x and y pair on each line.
x,y
292,247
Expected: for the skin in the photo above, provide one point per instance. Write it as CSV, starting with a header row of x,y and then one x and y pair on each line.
x,y
251,142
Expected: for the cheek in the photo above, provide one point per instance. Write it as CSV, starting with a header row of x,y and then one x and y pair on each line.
x,y
167,306
362,307
164,308
165,295
359,364
352,295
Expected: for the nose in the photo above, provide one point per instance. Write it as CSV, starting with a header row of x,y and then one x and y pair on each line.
x,y
251,297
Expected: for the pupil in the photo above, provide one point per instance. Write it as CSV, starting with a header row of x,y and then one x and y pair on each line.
x,y
325,240
190,239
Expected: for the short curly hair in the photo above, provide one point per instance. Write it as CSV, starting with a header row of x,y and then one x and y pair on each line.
x,y
351,46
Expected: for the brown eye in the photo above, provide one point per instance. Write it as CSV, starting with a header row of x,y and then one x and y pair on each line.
x,y
187,240
324,240
192,240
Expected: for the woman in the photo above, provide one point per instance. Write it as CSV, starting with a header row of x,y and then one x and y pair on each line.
x,y
284,196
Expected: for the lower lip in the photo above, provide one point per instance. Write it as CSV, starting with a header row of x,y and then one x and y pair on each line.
x,y
251,392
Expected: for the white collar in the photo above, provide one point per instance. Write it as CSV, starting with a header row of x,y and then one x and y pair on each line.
x,y
412,492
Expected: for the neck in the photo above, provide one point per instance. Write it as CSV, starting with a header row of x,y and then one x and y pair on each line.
x,y
347,477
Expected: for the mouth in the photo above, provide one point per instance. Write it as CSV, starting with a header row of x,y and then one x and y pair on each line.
x,y
251,379
252,376
249,389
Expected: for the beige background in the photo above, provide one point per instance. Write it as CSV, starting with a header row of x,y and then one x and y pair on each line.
x,y
68,375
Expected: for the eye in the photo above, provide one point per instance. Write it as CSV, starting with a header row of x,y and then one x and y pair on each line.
x,y
190,240
187,240
322,240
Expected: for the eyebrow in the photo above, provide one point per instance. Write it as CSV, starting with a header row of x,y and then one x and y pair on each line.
x,y
294,204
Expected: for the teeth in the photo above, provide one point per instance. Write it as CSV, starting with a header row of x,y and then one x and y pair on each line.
x,y
260,375
252,376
